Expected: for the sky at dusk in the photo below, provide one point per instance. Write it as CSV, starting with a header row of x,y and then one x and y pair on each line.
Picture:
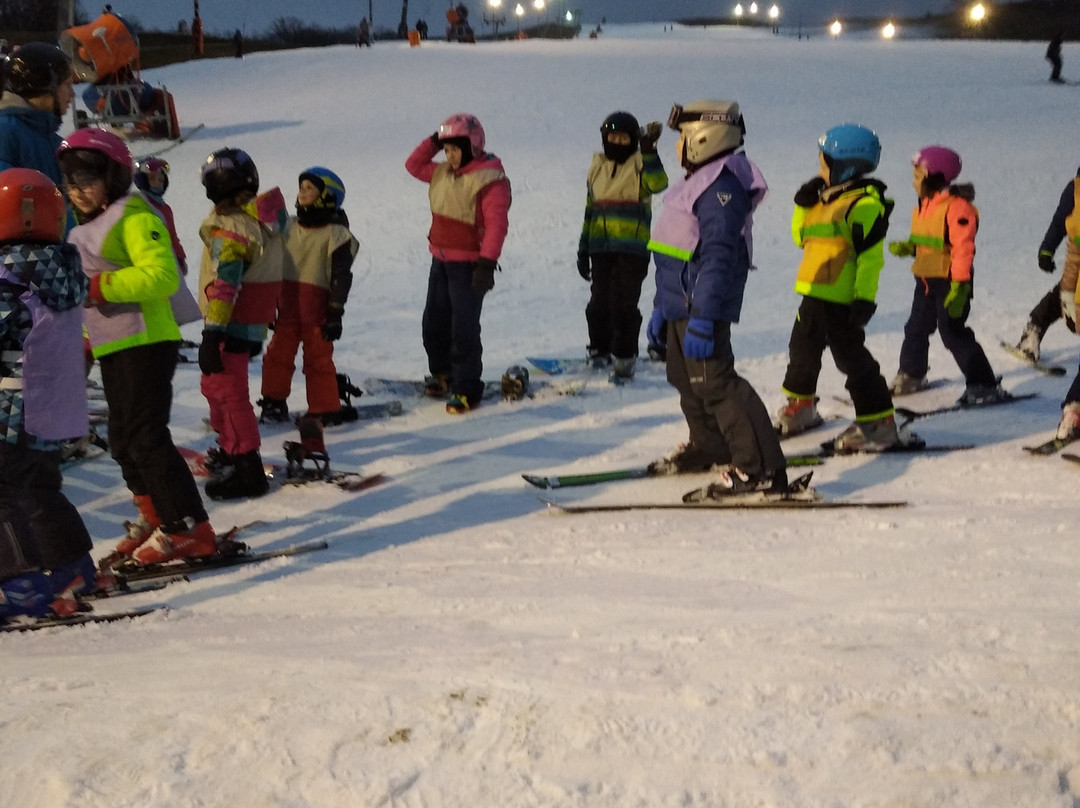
x,y
255,16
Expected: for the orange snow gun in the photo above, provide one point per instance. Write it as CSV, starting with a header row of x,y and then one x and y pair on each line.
x,y
101,49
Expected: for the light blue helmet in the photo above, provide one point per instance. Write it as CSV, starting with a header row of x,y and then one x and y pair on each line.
x,y
849,150
329,184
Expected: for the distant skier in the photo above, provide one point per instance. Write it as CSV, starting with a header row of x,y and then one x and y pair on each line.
x,y
238,44
470,200
702,246
1053,56
942,241
613,249
363,33
840,220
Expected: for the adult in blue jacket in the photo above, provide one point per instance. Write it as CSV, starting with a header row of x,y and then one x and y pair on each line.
x,y
702,247
37,82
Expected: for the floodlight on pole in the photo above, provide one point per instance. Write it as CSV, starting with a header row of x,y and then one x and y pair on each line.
x,y
888,31
977,13
836,28
738,13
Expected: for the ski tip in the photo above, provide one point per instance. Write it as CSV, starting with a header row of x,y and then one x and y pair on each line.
x,y
534,479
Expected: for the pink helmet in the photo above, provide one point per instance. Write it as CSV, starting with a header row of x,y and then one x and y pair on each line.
x,y
464,125
99,153
939,160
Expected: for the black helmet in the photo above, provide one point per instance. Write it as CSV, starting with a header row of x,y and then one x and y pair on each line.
x,y
227,172
36,68
620,122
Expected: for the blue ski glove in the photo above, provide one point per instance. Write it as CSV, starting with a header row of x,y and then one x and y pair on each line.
x,y
656,330
1046,261
902,249
959,292
698,342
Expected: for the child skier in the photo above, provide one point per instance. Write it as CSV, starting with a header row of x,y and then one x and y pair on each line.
x,y
126,254
470,199
942,240
240,279
703,249
839,222
44,545
612,250
152,178
316,280
1049,309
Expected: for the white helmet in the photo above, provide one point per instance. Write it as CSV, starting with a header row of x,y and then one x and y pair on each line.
x,y
707,129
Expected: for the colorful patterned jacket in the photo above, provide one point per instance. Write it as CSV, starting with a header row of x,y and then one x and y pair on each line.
x,y
618,203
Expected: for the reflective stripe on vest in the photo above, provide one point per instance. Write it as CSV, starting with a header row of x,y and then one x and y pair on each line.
x,y
826,240
1072,221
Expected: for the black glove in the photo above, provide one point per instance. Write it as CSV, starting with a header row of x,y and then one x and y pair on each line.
x,y
1046,261
483,275
583,266
650,133
331,329
210,352
861,312
809,193
435,140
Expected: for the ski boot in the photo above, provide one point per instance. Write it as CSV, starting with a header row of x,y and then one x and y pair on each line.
x,y
245,478
183,539
437,385
622,369
977,394
904,384
686,459
1069,427
876,435
274,411
1030,343
797,416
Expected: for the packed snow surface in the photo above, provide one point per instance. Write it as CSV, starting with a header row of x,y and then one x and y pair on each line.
x,y
459,646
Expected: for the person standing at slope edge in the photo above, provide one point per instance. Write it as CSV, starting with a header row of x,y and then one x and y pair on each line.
x,y
470,199
703,250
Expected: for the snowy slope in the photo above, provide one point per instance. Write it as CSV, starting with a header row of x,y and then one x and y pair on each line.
x,y
458,646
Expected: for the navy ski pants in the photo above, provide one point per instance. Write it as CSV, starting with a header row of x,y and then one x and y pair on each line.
x,y
451,328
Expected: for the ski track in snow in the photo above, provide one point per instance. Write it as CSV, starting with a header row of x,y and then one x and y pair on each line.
x,y
459,646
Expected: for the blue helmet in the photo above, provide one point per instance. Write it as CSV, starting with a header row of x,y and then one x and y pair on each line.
x,y
849,150
329,184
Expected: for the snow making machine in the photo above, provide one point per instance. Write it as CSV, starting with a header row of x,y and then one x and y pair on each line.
x,y
105,55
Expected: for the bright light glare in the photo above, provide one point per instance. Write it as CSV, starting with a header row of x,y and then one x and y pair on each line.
x,y
978,12
569,16
495,3
738,10
888,31
753,8
774,12
538,5
519,10
836,28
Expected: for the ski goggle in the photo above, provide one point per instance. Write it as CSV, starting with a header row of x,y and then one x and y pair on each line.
x,y
679,116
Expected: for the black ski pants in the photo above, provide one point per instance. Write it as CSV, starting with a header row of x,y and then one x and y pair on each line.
x,y
39,527
612,313
138,390
927,315
821,324
726,417
1048,310
451,327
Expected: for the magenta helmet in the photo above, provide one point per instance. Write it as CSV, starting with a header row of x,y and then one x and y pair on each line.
x,y
939,160
466,126
97,153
